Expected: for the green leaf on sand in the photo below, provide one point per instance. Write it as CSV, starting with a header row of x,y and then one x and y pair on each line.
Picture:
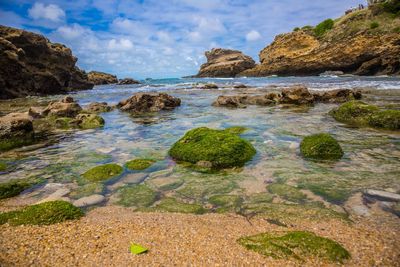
x,y
137,249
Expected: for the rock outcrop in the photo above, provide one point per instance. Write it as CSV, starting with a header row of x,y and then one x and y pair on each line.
x,y
67,107
350,47
128,81
32,65
225,63
99,78
149,102
98,107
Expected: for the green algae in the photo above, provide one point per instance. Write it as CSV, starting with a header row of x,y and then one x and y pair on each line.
x,y
321,147
90,121
10,143
219,147
259,198
287,192
13,188
139,164
236,130
327,190
87,190
354,112
103,172
295,244
42,214
226,203
139,196
385,119
173,205
3,166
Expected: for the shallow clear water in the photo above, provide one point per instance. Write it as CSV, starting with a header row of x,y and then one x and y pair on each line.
x,y
371,157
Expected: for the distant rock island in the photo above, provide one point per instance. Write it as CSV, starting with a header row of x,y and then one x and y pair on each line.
x,y
365,41
32,65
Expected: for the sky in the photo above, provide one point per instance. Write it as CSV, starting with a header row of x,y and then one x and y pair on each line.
x,y
163,38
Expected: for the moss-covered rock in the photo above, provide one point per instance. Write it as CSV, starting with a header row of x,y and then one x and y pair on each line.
x,y
236,130
221,148
354,112
297,244
3,166
87,190
89,121
321,147
173,205
103,172
386,119
15,187
287,192
139,164
139,196
42,214
226,203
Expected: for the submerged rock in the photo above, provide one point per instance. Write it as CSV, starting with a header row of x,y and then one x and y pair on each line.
x,y
240,101
89,201
385,119
139,196
99,78
15,187
295,244
225,63
139,164
103,172
382,195
221,148
128,81
321,147
67,107
89,121
98,107
149,102
16,130
35,66
209,86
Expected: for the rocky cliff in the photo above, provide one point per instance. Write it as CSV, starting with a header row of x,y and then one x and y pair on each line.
x,y
364,42
225,63
32,65
98,78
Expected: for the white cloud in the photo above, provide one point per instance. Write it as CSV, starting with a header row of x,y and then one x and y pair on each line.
x,y
120,45
71,32
48,12
253,36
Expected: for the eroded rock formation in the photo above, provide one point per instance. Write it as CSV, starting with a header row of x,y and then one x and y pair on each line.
x,y
99,78
32,65
149,102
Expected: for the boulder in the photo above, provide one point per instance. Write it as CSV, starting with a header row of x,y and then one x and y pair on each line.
x,y
98,107
337,96
67,107
89,201
16,130
321,147
99,78
297,95
230,101
149,102
225,63
209,86
240,101
88,121
35,66
128,81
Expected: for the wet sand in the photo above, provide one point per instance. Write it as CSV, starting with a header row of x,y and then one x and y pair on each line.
x,y
103,236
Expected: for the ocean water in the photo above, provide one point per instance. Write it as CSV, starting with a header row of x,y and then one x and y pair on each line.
x,y
371,157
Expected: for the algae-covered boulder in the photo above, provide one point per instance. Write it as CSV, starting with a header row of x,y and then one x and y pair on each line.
x,y
103,172
354,112
139,164
299,245
13,188
222,148
321,147
386,119
42,214
89,121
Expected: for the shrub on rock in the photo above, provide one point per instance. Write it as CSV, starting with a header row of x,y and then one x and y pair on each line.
x,y
321,147
103,172
42,214
222,148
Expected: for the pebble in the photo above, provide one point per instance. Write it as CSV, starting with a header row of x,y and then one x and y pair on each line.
x,y
89,201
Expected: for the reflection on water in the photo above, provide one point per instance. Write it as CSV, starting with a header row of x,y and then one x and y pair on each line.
x,y
371,157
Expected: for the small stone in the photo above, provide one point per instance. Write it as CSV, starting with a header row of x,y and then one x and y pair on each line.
x,y
89,201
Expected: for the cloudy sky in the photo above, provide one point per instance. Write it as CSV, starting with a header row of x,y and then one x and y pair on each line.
x,y
163,38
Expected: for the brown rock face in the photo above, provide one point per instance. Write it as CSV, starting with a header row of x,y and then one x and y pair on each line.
x,y
297,95
99,78
149,102
98,107
67,107
16,129
32,65
225,63
240,101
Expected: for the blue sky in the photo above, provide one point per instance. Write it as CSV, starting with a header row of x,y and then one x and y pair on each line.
x,y
163,38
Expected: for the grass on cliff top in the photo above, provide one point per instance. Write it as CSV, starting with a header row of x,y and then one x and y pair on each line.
x,y
297,244
42,214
